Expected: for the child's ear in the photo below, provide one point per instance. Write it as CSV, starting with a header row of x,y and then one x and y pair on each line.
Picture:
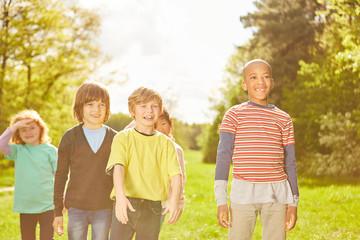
x,y
171,121
132,113
272,83
244,86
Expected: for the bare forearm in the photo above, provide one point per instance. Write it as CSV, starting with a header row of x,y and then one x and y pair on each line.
x,y
176,185
118,178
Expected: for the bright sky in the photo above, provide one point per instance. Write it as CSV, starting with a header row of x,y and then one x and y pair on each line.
x,y
178,48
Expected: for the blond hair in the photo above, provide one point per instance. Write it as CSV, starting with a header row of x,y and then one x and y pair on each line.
x,y
30,114
88,92
143,95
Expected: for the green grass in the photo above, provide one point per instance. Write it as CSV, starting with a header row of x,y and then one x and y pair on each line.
x,y
328,209
7,177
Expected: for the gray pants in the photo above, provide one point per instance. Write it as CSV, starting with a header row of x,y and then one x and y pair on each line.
x,y
243,219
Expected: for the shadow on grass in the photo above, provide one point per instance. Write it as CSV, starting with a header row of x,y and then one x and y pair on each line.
x,y
328,181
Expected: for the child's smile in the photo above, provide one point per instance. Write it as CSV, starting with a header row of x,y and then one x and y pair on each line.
x,y
258,82
94,114
30,135
146,115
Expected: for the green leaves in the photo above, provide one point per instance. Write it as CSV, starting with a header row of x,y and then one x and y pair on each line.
x,y
47,49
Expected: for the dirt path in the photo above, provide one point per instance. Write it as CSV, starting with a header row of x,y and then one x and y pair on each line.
x,y
7,189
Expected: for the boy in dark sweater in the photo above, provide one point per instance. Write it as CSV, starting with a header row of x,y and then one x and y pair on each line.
x,y
84,151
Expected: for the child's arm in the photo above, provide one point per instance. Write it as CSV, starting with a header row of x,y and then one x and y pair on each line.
x,y
6,136
173,207
180,154
121,201
223,162
291,171
4,141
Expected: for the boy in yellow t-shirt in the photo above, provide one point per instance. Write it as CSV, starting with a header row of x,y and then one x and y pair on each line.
x,y
142,161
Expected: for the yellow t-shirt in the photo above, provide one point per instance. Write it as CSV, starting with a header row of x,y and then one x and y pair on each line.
x,y
149,162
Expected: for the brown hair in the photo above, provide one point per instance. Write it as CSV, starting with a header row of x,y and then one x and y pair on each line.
x,y
30,114
88,92
143,95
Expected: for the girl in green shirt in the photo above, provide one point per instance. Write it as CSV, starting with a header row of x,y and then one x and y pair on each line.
x,y
35,163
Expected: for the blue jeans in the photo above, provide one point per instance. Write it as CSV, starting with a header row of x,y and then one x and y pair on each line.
x,y
145,222
79,221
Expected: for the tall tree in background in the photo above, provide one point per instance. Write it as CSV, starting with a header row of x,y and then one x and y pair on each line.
x,y
47,49
326,103
284,31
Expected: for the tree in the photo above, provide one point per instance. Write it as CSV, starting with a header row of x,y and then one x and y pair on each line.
x,y
119,121
47,49
285,30
328,94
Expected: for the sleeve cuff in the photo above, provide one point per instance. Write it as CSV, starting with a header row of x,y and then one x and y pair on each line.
x,y
220,190
296,201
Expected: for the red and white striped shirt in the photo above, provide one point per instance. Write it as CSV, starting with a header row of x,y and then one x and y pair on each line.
x,y
260,134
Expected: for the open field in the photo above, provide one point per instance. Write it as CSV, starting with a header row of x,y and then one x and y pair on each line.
x,y
328,209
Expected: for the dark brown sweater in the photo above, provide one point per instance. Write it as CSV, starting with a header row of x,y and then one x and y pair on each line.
x,y
89,186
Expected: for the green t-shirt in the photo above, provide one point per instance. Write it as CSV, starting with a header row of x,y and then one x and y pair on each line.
x,y
34,177
149,162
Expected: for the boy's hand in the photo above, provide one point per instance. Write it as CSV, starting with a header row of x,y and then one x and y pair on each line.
x,y
64,210
20,124
291,217
223,216
58,225
121,207
174,212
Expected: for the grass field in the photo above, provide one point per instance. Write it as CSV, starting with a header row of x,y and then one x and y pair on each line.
x,y
328,209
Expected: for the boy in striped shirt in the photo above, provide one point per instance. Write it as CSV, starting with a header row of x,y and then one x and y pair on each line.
x,y
259,140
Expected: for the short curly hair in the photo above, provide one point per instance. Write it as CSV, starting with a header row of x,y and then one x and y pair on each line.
x,y
34,115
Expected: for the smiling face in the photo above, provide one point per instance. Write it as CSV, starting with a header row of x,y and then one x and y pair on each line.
x,y
31,134
94,114
163,126
146,115
258,82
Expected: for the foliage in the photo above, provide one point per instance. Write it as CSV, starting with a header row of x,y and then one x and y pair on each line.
x,y
340,139
231,93
279,40
187,135
47,50
328,91
119,121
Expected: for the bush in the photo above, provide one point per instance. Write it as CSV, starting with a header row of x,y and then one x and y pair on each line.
x,y
340,139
